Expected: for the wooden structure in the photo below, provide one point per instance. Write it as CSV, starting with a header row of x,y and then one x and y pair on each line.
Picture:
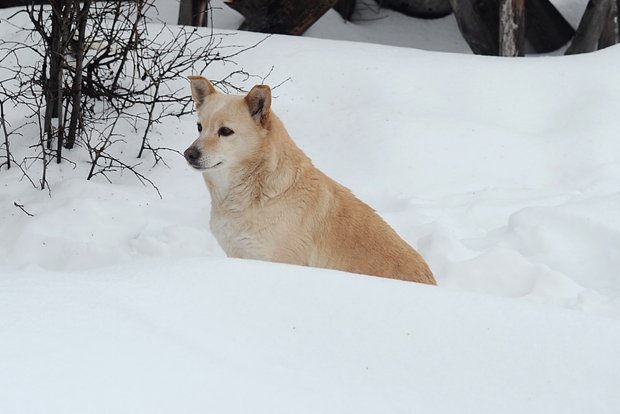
x,y
193,12
280,16
425,9
598,27
490,27
512,27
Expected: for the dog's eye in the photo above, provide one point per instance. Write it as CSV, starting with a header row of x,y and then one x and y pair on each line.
x,y
199,125
224,132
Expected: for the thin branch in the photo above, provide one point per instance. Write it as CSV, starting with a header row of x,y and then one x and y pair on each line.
x,y
21,207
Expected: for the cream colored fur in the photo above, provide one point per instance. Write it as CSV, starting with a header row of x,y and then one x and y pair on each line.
x,y
270,203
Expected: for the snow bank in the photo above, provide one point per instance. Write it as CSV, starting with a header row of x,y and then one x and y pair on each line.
x,y
229,336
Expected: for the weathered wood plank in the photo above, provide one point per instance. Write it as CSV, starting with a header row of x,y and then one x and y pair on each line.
x,y
590,27
292,17
346,8
546,29
426,9
610,35
479,24
511,28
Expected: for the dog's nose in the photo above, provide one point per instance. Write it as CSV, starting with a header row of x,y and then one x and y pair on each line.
x,y
191,154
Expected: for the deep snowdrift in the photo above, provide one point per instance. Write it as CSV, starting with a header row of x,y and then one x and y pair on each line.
x,y
229,336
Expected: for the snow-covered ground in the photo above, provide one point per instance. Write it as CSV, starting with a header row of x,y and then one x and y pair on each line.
x,y
504,173
209,335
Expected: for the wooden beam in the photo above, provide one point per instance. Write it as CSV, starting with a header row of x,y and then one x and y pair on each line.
x,y
193,12
425,9
479,24
610,35
15,3
546,29
590,27
346,8
511,28
292,17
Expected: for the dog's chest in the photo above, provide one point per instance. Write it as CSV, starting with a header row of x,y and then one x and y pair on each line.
x,y
248,236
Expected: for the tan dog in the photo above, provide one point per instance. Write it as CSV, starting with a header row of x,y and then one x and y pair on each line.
x,y
268,202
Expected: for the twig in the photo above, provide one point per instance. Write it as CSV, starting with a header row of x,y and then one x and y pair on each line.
x,y
21,207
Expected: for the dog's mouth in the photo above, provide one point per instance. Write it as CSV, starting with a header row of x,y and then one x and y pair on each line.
x,y
215,165
201,167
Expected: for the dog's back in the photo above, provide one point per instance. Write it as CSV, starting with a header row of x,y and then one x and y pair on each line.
x,y
356,239
271,203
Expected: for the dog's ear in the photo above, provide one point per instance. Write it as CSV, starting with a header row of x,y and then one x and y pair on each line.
x,y
259,104
201,88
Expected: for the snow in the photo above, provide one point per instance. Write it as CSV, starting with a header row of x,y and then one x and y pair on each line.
x,y
218,335
503,173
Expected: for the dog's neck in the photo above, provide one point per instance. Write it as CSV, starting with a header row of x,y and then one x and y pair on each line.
x,y
265,175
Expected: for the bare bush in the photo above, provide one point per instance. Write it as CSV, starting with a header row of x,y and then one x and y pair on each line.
x,y
89,66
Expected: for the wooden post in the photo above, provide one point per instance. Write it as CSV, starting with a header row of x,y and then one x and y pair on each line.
x,y
610,35
590,27
545,28
21,3
511,28
425,9
479,25
346,8
194,12
292,17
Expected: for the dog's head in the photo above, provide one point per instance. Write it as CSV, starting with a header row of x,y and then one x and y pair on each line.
x,y
231,128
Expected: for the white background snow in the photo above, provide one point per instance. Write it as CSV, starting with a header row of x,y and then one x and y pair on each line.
x,y
503,173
